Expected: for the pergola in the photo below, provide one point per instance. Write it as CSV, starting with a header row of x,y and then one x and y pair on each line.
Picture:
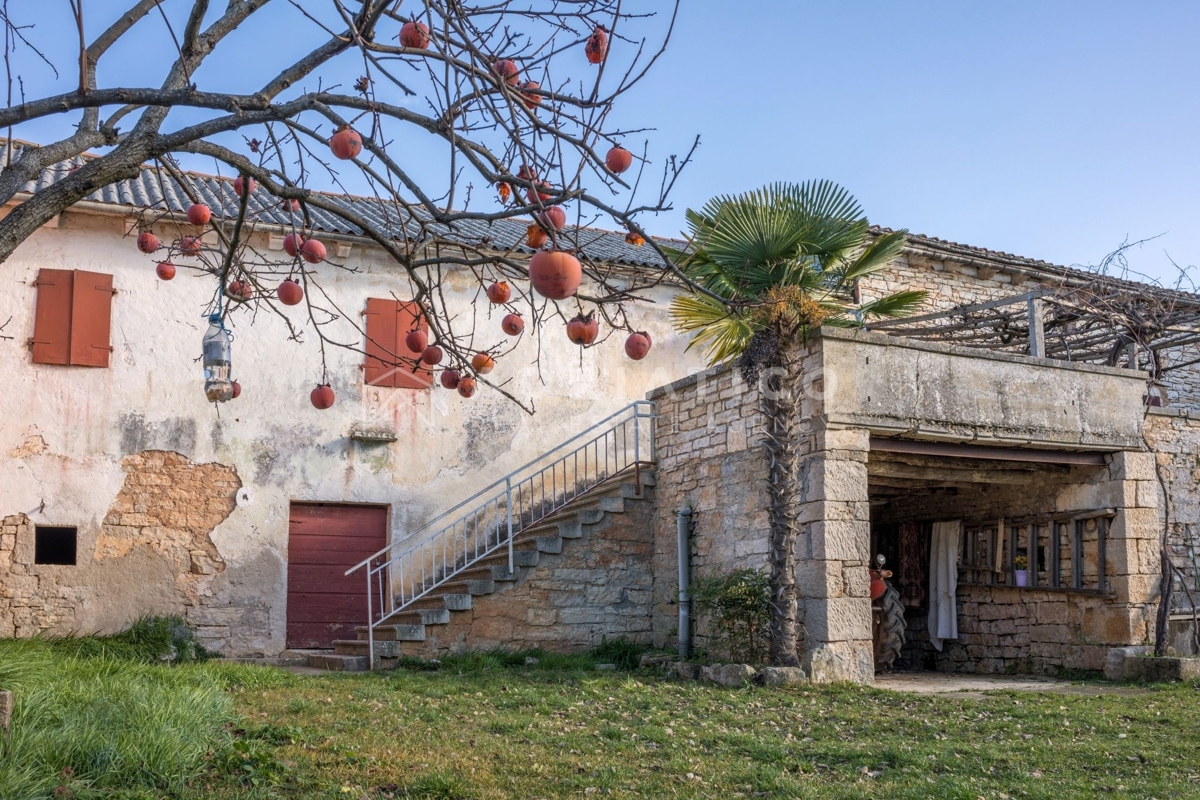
x,y
1101,320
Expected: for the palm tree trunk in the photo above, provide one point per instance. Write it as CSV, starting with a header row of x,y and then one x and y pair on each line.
x,y
780,404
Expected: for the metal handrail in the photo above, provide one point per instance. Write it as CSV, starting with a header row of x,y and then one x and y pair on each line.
x,y
494,515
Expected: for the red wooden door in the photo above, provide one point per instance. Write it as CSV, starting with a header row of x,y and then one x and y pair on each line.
x,y
324,540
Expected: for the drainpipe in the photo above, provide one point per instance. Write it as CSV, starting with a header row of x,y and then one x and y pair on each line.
x,y
683,524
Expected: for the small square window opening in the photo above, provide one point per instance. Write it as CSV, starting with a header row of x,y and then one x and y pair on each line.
x,y
54,545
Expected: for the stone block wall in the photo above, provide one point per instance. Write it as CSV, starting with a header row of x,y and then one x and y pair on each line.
x,y
709,460
151,554
1176,443
31,599
709,439
1013,630
598,586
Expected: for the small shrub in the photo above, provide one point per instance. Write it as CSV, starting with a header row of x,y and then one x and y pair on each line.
x,y
737,606
149,638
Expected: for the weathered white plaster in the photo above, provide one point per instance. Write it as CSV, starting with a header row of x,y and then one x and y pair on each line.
x,y
283,449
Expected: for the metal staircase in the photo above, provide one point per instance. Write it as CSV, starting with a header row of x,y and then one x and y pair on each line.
x,y
465,551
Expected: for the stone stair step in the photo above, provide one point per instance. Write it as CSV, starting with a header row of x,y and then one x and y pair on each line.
x,y
474,587
424,616
361,647
591,516
458,602
525,557
430,602
406,632
594,498
482,577
495,572
615,504
549,544
570,530
339,663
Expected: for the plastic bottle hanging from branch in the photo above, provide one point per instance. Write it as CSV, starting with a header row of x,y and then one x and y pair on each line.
x,y
217,361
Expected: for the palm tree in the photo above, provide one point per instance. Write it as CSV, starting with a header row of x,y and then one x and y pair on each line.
x,y
771,264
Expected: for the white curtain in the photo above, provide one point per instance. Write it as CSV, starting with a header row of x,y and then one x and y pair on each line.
x,y
943,581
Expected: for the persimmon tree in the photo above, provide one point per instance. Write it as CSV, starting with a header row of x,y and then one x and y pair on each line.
x,y
517,94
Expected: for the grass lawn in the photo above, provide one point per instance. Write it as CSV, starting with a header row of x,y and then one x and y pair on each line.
x,y
529,733
479,729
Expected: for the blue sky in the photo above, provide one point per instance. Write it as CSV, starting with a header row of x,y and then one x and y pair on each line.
x,y
1052,130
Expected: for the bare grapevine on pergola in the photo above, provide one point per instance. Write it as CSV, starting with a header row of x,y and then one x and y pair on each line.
x,y
539,144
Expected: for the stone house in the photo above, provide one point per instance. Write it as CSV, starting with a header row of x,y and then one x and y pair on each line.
x,y
125,492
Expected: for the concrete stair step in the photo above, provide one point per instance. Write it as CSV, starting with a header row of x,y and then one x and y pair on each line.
x,y
340,663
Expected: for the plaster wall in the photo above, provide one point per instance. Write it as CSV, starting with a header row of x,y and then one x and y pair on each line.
x,y
67,433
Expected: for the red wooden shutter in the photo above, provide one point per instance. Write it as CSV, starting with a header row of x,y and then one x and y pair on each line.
x,y
91,319
381,342
388,361
407,316
51,341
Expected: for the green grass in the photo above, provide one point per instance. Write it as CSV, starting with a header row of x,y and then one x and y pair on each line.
x,y
515,732
105,717
485,725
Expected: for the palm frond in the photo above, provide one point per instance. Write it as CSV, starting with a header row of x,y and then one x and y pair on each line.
x,y
722,333
894,305
876,257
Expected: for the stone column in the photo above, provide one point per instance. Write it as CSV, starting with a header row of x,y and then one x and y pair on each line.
x,y
1133,551
833,554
